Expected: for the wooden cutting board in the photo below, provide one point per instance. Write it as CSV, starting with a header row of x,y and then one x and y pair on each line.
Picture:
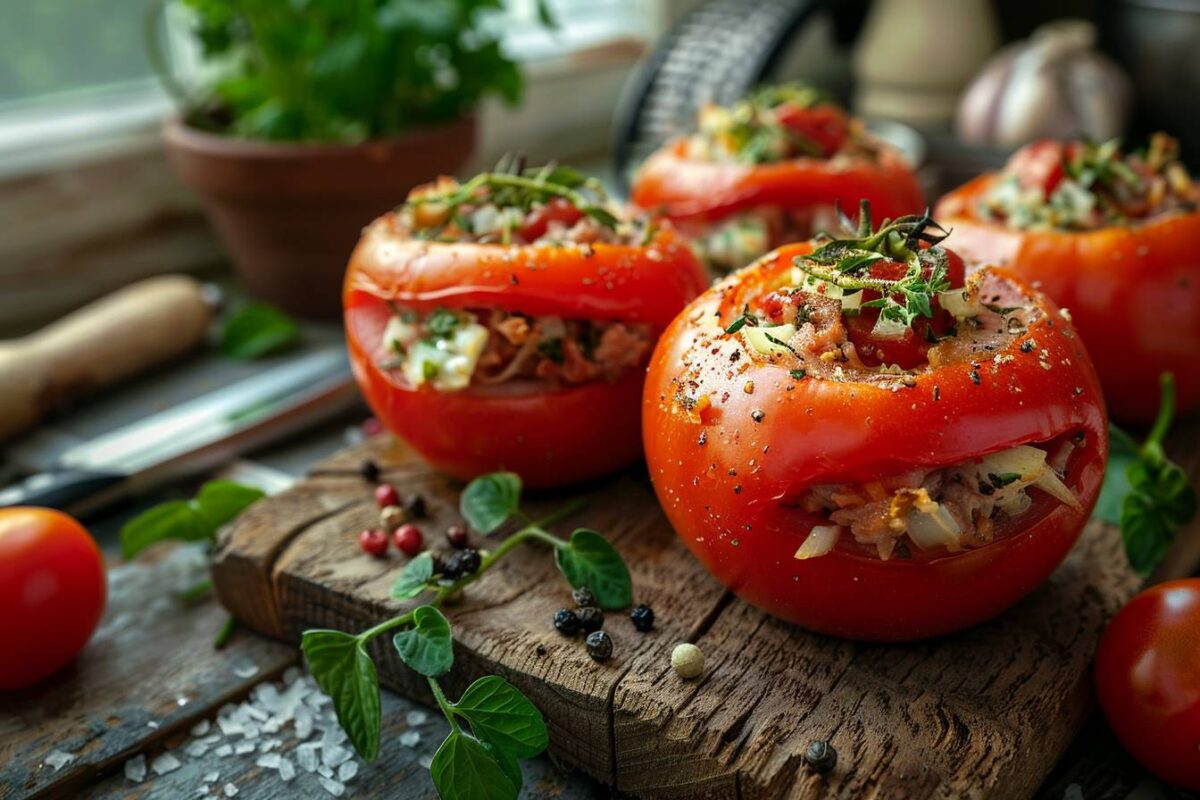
x,y
985,713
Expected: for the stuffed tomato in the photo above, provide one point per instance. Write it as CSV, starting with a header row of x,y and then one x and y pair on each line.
x,y
505,323
771,170
1114,239
853,439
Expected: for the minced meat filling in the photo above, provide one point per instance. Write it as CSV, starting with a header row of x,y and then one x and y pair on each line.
x,y
551,207
1084,186
950,508
451,350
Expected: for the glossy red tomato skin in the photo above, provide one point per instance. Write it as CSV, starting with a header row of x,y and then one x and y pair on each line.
x,y
550,438
1133,292
1148,680
825,126
52,592
690,192
720,479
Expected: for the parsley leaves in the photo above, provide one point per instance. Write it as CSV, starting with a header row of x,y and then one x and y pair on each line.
x,y
1146,493
849,265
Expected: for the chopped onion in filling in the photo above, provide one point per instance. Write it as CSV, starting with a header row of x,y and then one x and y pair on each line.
x,y
450,350
820,541
951,508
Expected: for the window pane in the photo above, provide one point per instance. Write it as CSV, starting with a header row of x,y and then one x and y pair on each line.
x,y
53,46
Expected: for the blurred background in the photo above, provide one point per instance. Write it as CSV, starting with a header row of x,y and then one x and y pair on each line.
x,y
89,201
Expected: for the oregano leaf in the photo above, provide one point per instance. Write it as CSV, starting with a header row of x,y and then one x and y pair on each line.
x,y
489,500
503,717
589,560
426,647
341,667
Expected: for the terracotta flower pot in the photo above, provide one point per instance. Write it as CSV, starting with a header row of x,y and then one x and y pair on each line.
x,y
290,214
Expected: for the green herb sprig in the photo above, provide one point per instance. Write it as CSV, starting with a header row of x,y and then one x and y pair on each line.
x,y
337,72
1144,492
258,330
846,263
492,725
195,520
512,185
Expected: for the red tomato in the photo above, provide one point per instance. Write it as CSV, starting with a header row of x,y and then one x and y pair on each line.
x,y
52,592
733,440
687,190
909,350
1039,165
1133,292
825,125
1148,680
549,437
539,219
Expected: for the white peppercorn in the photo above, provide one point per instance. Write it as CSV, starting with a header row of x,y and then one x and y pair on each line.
x,y
688,660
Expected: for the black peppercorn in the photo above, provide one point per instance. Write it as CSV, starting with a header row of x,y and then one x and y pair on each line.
x,y
540,650
566,622
583,597
462,562
416,507
599,645
456,535
369,470
643,618
591,619
821,756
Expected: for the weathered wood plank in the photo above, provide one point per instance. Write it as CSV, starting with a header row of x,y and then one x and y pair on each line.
x,y
954,717
323,580
149,672
984,713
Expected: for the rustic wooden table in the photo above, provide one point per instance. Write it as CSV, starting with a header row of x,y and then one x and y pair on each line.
x,y
152,710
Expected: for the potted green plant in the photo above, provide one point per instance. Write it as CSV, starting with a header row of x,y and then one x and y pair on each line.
x,y
308,118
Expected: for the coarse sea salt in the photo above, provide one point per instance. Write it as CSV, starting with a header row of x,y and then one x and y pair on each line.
x,y
268,760
347,771
229,789
410,738
58,759
135,768
244,671
286,770
306,756
335,788
165,763
415,718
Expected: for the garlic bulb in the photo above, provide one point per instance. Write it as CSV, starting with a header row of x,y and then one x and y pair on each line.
x,y
1055,85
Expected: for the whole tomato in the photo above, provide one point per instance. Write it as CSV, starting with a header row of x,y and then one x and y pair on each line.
x,y
740,441
1148,680
52,593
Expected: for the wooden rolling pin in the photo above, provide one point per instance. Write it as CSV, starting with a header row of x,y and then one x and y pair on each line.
x,y
118,336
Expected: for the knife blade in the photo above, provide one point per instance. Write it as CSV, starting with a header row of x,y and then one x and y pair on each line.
x,y
194,436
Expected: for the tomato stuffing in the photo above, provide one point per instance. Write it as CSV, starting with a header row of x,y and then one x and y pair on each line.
x,y
907,494
504,323
771,169
1112,238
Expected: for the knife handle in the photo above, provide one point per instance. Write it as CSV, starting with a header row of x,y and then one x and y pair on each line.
x,y
118,336
59,490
